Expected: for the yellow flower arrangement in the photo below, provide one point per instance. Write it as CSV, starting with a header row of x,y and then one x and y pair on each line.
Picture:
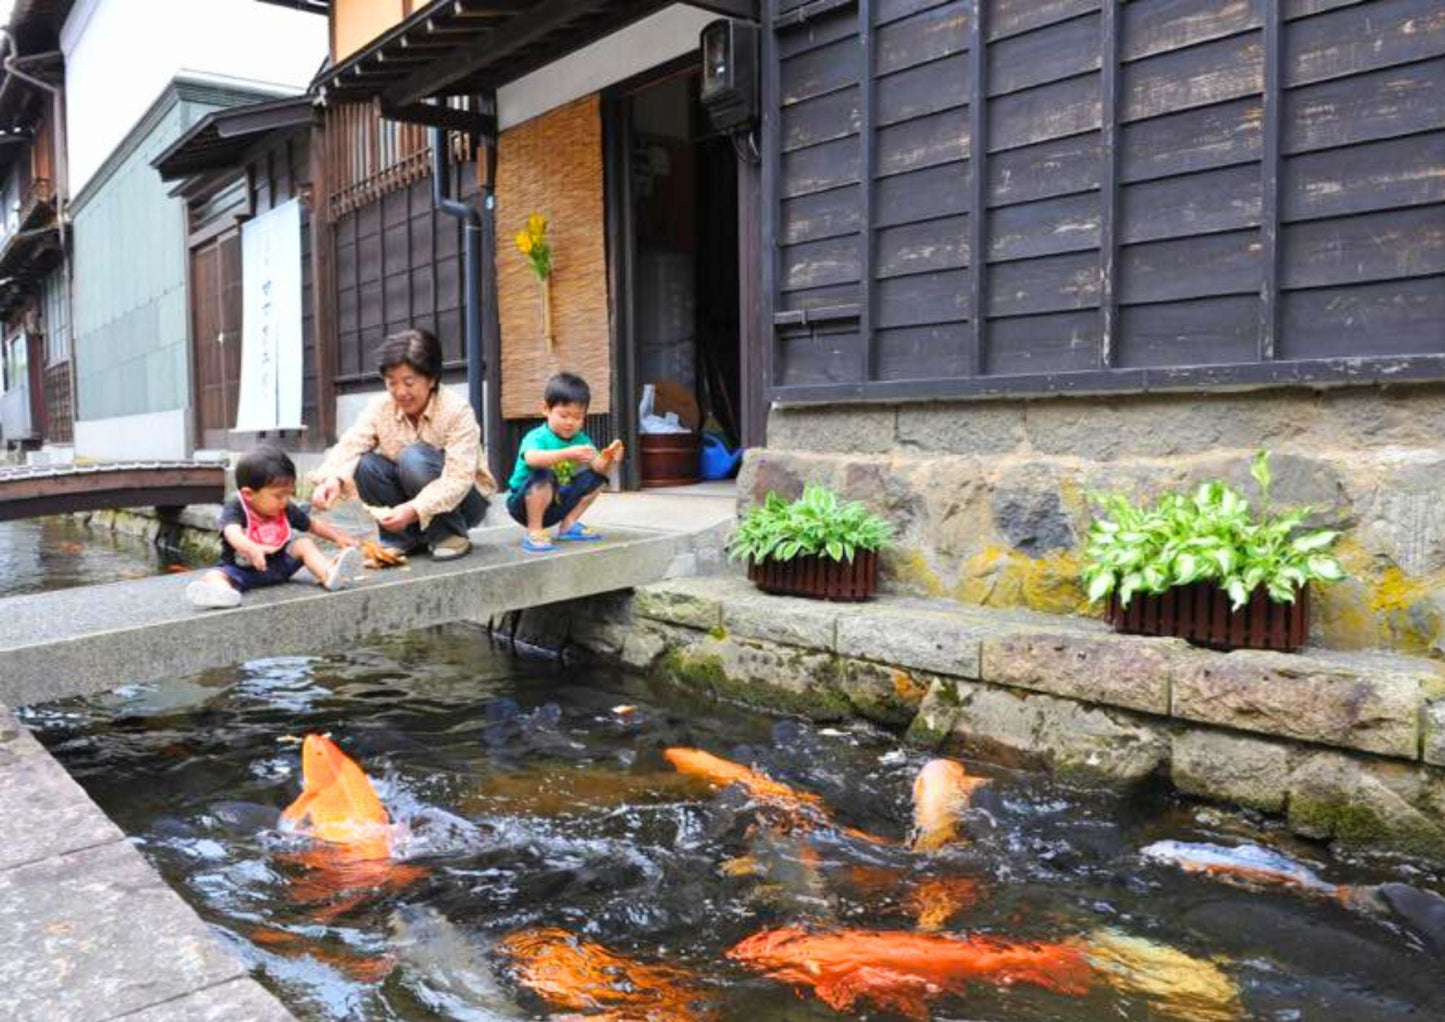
x,y
532,243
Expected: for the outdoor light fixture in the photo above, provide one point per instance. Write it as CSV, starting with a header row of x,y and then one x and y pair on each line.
x,y
730,74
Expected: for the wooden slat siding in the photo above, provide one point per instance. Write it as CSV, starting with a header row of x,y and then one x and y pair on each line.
x,y
1269,186
1046,227
1065,166
1396,318
1325,117
821,119
1371,107
1366,37
1387,245
1043,113
831,214
1374,176
1160,26
1204,331
876,60
1013,17
1205,138
1216,264
1051,284
980,134
1194,204
1065,50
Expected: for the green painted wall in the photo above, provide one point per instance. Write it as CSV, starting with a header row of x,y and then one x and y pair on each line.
x,y
129,244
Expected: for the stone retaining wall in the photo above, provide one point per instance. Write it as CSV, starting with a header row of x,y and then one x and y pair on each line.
x,y
191,532
991,496
1346,747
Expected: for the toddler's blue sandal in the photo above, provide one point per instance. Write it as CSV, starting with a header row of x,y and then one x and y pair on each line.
x,y
578,533
537,546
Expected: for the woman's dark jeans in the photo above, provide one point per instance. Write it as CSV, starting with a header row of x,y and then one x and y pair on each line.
x,y
386,483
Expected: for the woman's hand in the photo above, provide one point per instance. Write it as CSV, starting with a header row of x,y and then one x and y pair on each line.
x,y
325,494
401,516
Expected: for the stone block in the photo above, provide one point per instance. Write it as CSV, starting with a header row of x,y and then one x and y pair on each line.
x,y
749,613
1362,805
937,715
1402,513
928,641
1116,670
1433,721
1231,768
992,428
888,695
690,602
760,674
46,812
1305,698
106,937
848,429
1077,742
642,646
1028,511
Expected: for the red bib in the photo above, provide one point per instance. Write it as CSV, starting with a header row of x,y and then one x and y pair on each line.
x,y
269,533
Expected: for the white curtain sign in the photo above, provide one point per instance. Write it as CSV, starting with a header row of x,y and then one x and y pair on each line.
x,y
271,364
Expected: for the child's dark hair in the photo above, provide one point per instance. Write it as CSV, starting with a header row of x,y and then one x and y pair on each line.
x,y
567,389
263,465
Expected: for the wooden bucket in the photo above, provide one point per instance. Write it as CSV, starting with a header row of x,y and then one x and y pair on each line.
x,y
668,459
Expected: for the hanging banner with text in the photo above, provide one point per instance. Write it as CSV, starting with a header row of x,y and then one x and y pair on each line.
x,y
271,363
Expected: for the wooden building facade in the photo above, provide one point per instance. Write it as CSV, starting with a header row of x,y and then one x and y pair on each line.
x,y
1041,196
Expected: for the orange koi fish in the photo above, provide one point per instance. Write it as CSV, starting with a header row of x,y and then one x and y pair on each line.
x,y
941,792
719,772
902,972
577,975
337,804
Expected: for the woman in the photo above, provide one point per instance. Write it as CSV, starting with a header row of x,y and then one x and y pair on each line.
x,y
416,451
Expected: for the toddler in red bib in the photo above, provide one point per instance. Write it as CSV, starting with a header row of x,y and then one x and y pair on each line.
x,y
259,545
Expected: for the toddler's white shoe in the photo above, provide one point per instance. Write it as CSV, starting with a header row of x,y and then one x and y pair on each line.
x,y
212,596
344,569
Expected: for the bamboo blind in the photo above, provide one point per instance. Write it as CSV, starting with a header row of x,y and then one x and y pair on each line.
x,y
552,165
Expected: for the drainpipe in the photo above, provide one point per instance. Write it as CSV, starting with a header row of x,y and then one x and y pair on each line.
x,y
471,263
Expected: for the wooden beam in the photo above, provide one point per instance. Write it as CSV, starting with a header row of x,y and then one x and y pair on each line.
x,y
1109,186
978,190
445,117
1272,118
467,60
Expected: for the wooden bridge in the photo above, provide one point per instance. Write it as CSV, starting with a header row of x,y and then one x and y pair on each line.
x,y
30,491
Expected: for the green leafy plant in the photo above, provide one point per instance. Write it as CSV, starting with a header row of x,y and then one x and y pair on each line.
x,y
1209,535
817,523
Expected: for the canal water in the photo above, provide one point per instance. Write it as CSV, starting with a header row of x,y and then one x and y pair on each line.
x,y
539,800
40,554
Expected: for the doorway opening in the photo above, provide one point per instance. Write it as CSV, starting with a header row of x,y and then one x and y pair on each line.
x,y
676,226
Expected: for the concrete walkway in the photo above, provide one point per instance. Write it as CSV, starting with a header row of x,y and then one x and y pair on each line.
x,y
88,931
78,641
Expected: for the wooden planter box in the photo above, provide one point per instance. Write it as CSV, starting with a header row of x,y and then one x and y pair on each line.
x,y
819,578
1201,614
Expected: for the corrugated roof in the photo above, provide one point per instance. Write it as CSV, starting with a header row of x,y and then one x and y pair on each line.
x,y
222,137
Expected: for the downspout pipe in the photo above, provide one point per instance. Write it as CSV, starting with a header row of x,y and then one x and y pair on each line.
x,y
471,272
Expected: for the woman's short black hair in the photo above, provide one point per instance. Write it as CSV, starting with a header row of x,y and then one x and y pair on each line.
x,y
263,465
412,347
567,389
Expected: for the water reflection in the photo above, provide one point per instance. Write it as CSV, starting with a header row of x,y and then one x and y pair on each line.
x,y
41,554
557,862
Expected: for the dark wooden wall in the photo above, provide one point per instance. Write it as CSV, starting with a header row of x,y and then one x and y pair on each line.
x,y
398,265
1151,193
277,171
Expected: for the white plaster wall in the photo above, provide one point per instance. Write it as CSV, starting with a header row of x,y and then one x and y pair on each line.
x,y
154,435
652,41
120,54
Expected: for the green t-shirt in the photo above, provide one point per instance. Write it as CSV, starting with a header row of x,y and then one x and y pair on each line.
x,y
543,439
